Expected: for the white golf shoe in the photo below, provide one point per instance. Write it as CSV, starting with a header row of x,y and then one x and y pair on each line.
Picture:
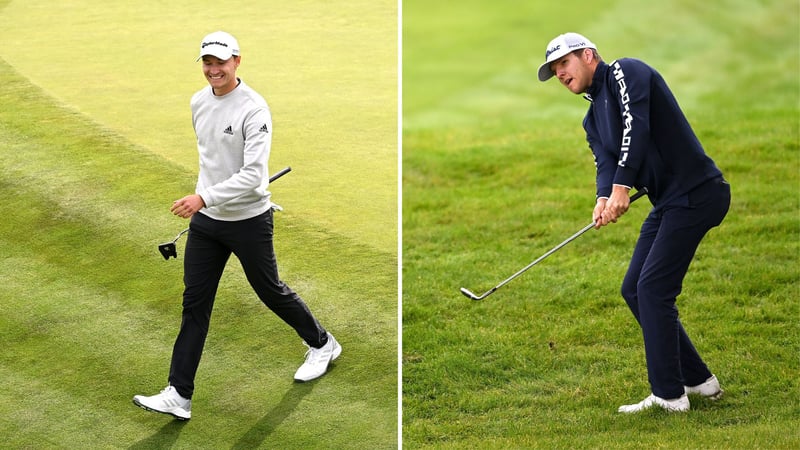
x,y
709,389
166,402
318,359
680,404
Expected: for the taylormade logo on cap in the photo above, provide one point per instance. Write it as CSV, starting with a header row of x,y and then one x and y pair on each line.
x,y
219,44
560,46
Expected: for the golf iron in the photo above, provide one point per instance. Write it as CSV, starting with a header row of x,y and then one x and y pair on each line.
x,y
168,249
472,296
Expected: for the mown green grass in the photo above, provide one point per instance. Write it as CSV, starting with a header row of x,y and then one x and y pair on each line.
x,y
327,69
496,172
91,310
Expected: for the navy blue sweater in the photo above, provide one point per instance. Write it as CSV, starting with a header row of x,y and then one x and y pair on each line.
x,y
640,137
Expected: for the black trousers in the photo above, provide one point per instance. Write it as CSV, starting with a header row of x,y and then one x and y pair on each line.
x,y
208,247
666,246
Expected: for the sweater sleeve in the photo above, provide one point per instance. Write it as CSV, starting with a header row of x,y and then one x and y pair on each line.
x,y
632,91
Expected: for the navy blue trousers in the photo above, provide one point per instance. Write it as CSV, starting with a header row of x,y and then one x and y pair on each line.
x,y
208,247
667,243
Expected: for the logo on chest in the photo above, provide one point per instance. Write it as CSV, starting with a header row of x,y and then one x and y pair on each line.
x,y
228,130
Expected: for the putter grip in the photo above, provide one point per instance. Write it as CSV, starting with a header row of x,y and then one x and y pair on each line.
x,y
280,174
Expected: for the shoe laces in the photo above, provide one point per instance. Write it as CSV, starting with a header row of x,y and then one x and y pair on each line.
x,y
314,355
171,392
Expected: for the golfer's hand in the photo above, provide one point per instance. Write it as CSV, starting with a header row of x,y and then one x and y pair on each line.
x,y
187,206
616,206
598,212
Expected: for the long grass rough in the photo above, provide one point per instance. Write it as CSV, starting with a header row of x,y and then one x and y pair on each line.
x,y
496,171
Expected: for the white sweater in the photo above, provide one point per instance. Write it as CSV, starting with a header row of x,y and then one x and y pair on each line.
x,y
234,135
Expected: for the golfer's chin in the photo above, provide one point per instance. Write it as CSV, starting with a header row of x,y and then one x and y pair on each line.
x,y
574,88
221,85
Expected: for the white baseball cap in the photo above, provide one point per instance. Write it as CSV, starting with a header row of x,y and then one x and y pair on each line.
x,y
560,46
219,44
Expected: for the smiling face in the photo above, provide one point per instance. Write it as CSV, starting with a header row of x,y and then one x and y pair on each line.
x,y
575,70
221,74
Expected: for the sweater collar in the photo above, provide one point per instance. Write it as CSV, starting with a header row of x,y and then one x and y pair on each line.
x,y
239,82
597,81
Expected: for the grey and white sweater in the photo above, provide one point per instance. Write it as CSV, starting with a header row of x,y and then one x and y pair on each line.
x,y
234,136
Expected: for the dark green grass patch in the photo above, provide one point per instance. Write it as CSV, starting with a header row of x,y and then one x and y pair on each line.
x,y
496,172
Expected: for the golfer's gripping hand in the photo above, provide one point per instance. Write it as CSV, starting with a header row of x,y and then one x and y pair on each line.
x,y
609,210
187,206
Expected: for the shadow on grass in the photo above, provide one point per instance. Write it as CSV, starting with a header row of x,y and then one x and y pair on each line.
x,y
163,438
259,432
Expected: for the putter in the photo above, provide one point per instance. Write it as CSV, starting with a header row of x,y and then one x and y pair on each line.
x,y
471,295
168,249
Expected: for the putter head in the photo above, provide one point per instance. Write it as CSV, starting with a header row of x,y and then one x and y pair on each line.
x,y
469,294
168,249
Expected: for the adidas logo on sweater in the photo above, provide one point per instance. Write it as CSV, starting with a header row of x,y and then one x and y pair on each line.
x,y
264,129
228,130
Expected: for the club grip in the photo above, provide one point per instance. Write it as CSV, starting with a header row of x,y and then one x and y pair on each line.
x,y
280,174
638,194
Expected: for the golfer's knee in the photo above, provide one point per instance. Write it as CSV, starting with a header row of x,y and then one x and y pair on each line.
x,y
629,291
632,300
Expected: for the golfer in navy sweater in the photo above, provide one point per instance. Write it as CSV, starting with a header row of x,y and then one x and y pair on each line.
x,y
641,139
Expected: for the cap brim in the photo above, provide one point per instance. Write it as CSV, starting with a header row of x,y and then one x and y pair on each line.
x,y
223,55
544,71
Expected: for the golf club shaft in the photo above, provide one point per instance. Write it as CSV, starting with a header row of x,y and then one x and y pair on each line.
x,y
566,241
550,252
280,174
179,235
471,295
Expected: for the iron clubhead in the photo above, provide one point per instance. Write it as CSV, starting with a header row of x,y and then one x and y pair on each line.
x,y
469,294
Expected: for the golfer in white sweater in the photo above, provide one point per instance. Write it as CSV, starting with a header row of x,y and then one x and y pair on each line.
x,y
231,212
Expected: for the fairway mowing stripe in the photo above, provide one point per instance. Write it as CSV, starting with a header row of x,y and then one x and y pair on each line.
x,y
65,312
80,247
83,170
83,332
43,412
